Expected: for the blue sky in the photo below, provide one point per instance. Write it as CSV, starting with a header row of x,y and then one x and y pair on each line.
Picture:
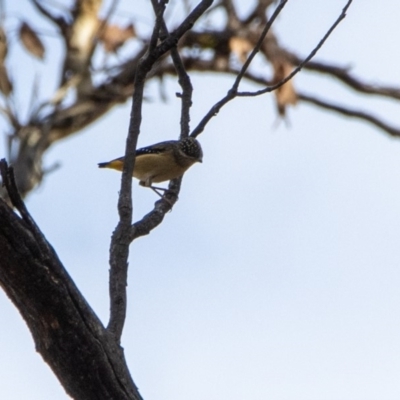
x,y
276,274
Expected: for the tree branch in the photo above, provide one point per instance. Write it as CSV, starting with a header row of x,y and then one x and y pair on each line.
x,y
183,79
62,24
156,216
67,333
343,75
232,93
121,238
305,61
362,115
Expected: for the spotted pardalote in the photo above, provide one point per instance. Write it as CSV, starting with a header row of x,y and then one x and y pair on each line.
x,y
161,161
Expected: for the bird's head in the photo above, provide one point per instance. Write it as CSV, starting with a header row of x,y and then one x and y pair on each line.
x,y
191,148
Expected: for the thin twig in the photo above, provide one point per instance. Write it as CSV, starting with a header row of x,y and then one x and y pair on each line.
x,y
183,79
185,26
159,10
305,61
57,20
363,115
187,91
232,93
259,44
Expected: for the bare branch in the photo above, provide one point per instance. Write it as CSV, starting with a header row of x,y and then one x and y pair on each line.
x,y
258,45
305,61
62,24
376,121
119,248
186,25
232,93
183,79
156,216
259,11
187,90
159,9
362,115
150,220
233,20
343,75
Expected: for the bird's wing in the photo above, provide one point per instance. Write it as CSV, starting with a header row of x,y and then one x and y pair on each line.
x,y
156,148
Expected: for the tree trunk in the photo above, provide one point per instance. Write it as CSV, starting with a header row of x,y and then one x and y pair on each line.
x,y
67,333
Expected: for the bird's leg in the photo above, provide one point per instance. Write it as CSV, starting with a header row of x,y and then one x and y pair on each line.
x,y
155,189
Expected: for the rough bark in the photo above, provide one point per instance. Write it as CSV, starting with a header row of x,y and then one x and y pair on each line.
x,y
67,333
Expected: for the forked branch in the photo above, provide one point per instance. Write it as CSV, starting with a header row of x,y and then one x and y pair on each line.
x,y
233,92
122,236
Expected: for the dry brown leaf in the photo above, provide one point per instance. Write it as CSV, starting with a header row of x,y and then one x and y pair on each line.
x,y
5,83
31,41
88,6
241,47
3,46
113,36
285,94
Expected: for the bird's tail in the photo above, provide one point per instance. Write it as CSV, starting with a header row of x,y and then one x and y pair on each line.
x,y
117,164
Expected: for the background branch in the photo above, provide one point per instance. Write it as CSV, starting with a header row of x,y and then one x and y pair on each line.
x,y
304,62
351,112
50,123
232,93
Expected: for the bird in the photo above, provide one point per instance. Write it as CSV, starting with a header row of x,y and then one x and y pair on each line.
x,y
161,161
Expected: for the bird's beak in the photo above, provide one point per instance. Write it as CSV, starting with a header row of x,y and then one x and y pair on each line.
x,y
200,161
